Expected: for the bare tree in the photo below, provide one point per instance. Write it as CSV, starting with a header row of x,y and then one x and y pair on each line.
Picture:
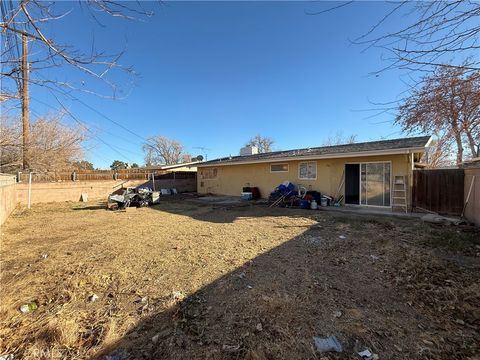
x,y
439,154
340,139
432,33
53,146
263,143
36,19
82,165
10,144
162,150
186,158
448,105
29,27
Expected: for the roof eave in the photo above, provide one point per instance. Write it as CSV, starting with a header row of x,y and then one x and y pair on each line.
x,y
173,166
320,157
429,142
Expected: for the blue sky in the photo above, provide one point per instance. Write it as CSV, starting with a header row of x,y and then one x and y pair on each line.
x,y
214,74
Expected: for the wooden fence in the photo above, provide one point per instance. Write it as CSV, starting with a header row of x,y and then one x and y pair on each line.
x,y
92,175
176,175
438,190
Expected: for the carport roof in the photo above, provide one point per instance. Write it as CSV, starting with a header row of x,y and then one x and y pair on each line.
x,y
382,147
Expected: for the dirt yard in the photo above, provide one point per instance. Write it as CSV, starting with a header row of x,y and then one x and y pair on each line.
x,y
190,281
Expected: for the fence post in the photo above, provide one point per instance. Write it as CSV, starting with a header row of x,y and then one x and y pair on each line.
x,y
29,188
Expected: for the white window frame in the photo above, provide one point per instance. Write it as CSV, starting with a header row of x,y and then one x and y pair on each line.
x,y
280,171
308,162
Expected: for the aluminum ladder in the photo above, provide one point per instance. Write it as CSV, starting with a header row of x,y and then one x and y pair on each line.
x,y
400,193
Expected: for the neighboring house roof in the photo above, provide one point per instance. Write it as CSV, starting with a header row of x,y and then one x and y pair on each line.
x,y
174,166
169,167
382,147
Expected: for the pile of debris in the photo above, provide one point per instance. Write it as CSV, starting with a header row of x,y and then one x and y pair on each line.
x,y
136,197
288,194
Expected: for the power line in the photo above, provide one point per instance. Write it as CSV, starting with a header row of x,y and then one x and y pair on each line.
x,y
38,115
100,129
93,134
26,98
111,120
74,98
145,141
84,124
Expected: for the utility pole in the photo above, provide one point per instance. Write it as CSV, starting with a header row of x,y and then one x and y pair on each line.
x,y
25,101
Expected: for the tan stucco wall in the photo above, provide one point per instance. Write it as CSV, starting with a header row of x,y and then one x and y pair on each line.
x,y
232,178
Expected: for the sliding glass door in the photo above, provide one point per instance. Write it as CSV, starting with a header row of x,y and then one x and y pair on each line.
x,y
375,183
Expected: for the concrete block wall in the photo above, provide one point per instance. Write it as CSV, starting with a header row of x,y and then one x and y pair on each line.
x,y
96,190
69,191
8,201
44,192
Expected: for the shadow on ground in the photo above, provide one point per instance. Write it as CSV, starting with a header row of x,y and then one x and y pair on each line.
x,y
272,306
225,209
286,275
99,206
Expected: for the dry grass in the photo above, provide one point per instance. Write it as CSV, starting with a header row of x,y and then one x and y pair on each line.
x,y
233,282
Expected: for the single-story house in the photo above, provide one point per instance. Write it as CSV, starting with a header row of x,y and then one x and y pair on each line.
x,y
376,173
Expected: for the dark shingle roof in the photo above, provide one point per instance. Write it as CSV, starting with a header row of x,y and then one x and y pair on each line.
x,y
382,145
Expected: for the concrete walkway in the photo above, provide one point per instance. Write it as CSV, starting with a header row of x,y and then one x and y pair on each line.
x,y
366,210
236,200
218,200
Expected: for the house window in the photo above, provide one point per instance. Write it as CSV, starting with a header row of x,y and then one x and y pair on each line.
x,y
279,168
208,173
307,170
